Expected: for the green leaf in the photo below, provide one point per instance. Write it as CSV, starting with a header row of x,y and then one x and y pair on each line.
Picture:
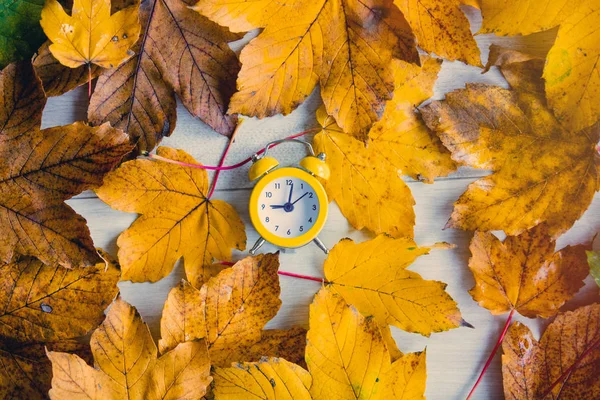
x,y
20,31
593,258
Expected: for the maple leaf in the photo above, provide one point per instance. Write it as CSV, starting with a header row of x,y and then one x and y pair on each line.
x,y
593,259
26,371
543,170
269,378
20,31
392,295
441,28
523,17
43,303
344,45
406,378
47,167
127,366
571,73
229,311
180,52
523,273
567,356
90,35
177,220
348,358
365,181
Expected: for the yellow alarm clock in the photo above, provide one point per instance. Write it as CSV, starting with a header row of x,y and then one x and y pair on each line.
x,y
288,205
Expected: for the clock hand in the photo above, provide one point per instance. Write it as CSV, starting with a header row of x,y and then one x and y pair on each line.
x,y
299,198
291,191
277,206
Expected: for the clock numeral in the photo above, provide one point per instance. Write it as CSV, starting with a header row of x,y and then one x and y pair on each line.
x,y
268,194
276,227
289,232
310,195
310,219
302,186
314,207
262,206
301,228
278,186
288,182
267,219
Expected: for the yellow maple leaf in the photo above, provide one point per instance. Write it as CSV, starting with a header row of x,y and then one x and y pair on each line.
x,y
523,17
544,171
344,45
345,352
269,378
177,219
507,274
365,181
229,311
571,74
567,356
406,378
572,71
392,294
441,28
127,365
90,35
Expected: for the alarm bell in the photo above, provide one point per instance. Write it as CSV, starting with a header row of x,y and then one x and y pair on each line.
x,y
314,164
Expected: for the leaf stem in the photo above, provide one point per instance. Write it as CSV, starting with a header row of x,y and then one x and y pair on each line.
x,y
494,351
569,370
89,65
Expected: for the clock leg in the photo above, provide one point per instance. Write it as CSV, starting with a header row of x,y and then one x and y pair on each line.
x,y
321,245
257,245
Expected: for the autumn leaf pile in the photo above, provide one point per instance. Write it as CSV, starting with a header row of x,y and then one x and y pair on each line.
x,y
65,331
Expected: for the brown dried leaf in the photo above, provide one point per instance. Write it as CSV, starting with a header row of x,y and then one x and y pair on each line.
x,y
530,367
178,52
229,311
524,273
543,171
47,167
42,303
288,344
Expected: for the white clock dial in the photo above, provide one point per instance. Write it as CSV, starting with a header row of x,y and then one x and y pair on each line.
x,y
288,207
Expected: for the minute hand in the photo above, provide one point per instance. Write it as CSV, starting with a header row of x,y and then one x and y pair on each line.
x,y
299,198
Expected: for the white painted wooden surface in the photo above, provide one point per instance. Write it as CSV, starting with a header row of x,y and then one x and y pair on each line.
x,y
454,358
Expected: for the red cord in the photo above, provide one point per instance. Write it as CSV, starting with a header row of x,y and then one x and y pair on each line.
x,y
221,167
300,276
490,358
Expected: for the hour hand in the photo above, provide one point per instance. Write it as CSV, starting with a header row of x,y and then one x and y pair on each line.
x,y
277,206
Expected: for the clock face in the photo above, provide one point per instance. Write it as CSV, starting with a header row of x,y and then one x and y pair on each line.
x,y
288,207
